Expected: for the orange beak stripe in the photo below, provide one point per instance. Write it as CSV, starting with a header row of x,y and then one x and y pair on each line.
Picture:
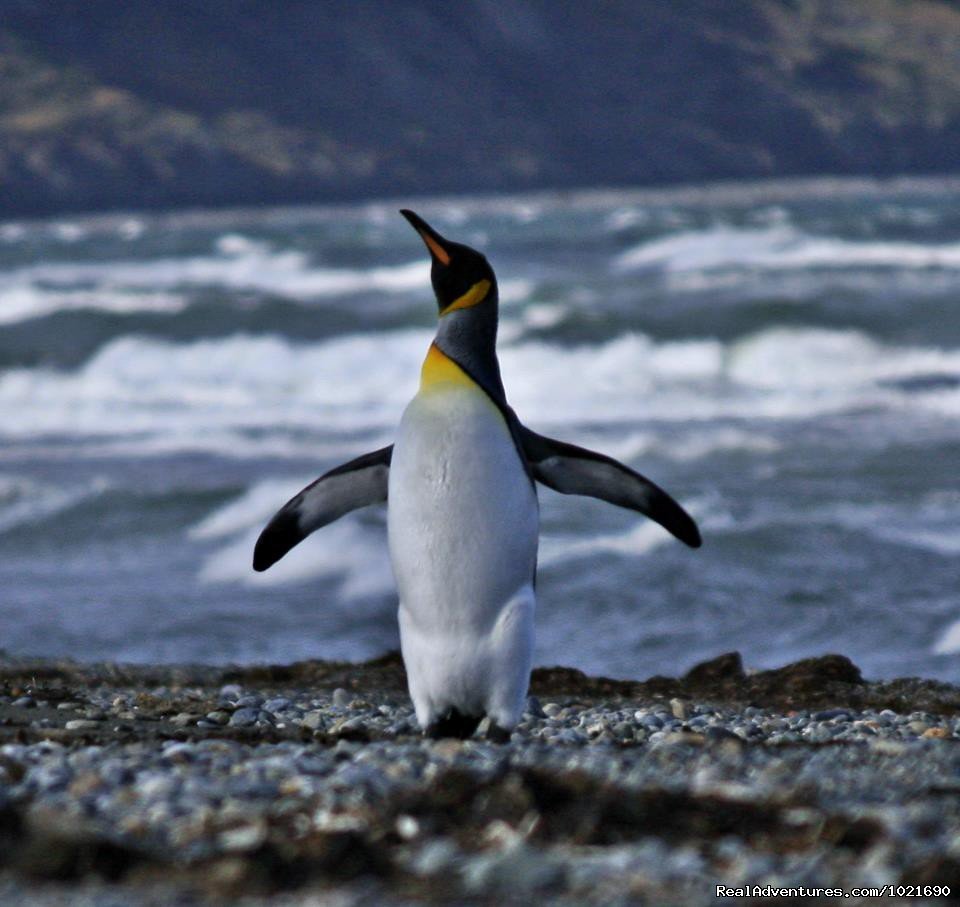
x,y
436,250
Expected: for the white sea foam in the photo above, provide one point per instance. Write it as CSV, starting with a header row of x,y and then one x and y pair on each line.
x,y
944,508
949,641
351,552
236,245
253,508
135,386
544,315
688,446
68,232
527,212
20,302
286,273
642,538
625,218
12,232
131,229
718,258
744,285
514,291
780,246
817,358
194,393
24,500
240,264
930,523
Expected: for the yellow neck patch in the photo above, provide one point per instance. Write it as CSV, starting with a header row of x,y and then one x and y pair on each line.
x,y
438,368
477,293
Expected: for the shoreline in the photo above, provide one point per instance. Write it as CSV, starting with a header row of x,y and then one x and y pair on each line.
x,y
759,190
278,784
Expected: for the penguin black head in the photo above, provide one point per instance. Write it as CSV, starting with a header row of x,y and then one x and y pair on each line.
x,y
461,276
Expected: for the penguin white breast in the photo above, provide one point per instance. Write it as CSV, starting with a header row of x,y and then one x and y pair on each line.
x,y
462,513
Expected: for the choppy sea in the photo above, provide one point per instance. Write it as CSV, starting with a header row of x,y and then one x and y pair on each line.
x,y
784,359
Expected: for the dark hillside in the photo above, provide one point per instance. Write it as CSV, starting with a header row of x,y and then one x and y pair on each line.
x,y
107,103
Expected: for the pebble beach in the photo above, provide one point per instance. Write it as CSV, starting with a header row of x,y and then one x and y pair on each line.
x,y
310,784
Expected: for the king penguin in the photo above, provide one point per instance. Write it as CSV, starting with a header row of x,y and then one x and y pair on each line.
x,y
462,511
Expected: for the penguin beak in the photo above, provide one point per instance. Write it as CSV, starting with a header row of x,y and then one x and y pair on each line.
x,y
436,244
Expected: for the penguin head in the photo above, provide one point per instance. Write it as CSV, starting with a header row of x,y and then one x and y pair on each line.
x,y
461,276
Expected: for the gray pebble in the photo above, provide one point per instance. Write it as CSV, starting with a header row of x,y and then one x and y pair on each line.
x,y
244,717
314,721
534,708
209,797
832,715
82,724
183,719
515,871
350,724
434,858
722,734
179,752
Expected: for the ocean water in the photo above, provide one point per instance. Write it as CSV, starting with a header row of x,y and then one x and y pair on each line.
x,y
784,359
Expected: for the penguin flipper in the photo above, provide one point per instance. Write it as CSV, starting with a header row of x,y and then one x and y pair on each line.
x,y
348,487
575,470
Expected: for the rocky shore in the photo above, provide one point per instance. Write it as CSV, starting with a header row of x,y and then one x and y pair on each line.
x,y
310,784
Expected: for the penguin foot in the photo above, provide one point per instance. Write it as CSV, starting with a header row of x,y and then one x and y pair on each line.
x,y
452,724
497,734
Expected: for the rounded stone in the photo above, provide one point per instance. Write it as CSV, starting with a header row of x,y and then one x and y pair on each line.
x,y
244,717
82,724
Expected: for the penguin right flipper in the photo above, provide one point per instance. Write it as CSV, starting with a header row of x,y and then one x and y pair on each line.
x,y
348,487
575,470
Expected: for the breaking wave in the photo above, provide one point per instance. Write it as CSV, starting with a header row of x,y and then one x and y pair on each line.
x,y
24,500
163,284
185,394
352,554
780,247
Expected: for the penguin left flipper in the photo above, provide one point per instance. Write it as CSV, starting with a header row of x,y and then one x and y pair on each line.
x,y
575,470
348,487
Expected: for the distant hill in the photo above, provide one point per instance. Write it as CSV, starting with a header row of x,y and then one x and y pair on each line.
x,y
133,104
